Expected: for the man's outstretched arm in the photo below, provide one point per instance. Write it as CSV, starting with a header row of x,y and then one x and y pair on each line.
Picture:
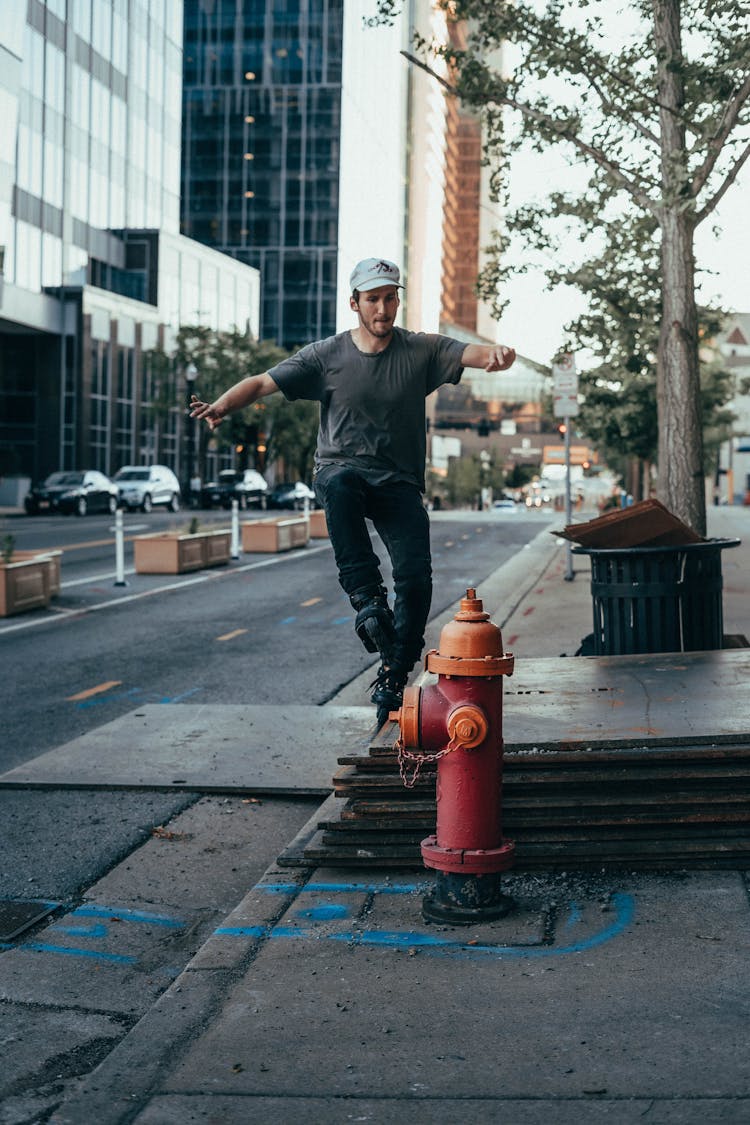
x,y
492,357
244,393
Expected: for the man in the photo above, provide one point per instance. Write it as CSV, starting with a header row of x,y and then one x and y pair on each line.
x,y
371,383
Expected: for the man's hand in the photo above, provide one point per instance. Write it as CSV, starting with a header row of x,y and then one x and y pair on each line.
x,y
500,358
491,357
208,412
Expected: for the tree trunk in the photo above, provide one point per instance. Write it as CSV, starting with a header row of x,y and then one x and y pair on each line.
x,y
680,484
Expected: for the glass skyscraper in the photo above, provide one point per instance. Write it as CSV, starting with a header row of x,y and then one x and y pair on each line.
x,y
95,273
261,139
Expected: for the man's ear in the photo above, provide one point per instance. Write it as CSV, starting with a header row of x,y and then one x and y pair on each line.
x,y
353,305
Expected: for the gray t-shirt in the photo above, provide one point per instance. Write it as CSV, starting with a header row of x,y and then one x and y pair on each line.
x,y
372,412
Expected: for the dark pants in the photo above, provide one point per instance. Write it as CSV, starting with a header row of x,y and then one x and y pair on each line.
x,y
400,519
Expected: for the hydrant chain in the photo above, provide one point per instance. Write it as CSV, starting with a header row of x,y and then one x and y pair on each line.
x,y
419,760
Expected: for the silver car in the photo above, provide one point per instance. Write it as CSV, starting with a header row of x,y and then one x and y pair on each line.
x,y
146,486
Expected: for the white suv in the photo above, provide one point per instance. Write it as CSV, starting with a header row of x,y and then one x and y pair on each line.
x,y
146,486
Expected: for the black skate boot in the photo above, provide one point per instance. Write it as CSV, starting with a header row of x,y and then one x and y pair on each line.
x,y
388,693
374,622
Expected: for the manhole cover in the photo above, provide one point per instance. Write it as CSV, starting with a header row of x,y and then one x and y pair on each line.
x,y
15,917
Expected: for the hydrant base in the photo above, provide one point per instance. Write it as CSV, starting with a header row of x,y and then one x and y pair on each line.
x,y
465,900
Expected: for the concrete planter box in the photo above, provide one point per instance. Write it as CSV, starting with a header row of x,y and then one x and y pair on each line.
x,y
318,524
271,536
24,585
52,559
174,553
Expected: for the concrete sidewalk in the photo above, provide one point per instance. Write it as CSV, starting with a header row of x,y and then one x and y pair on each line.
x,y
616,996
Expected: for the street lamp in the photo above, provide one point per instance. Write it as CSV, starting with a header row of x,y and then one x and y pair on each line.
x,y
191,374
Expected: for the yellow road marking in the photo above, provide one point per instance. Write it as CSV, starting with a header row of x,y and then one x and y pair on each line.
x,y
94,691
232,635
311,601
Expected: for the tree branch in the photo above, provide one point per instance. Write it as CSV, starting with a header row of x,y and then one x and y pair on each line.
x,y
608,106
629,185
729,119
728,181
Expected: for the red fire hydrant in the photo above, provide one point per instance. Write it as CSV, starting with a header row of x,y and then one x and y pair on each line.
x,y
459,722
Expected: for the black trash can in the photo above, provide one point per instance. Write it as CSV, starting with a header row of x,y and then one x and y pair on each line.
x,y
657,599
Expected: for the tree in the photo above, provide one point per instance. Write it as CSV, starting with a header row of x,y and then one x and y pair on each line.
x,y
660,117
222,359
621,328
293,432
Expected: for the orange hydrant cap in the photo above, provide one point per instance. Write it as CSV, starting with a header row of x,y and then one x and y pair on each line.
x,y
471,634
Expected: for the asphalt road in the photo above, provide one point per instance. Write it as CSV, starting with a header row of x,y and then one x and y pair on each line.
x,y
265,629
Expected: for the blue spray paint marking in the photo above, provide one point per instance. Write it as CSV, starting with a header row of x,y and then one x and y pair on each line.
x,y
342,620
574,916
179,698
287,620
624,905
42,947
102,700
100,930
117,915
240,931
135,693
325,912
406,939
345,888
97,930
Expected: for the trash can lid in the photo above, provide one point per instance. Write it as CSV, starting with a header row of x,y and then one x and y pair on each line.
x,y
706,545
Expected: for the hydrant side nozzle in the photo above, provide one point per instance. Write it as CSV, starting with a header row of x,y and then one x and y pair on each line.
x,y
408,716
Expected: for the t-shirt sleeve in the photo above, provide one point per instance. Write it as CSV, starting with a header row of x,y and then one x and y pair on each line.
x,y
300,376
445,361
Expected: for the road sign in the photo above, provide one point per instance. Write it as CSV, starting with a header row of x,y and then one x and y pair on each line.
x,y
565,386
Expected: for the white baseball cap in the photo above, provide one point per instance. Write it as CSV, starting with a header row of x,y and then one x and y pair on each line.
x,y
371,273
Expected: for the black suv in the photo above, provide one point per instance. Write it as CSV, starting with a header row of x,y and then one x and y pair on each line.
x,y
246,486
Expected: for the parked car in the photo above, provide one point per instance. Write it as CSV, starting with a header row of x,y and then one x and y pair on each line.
x,y
70,491
505,503
246,486
289,495
146,486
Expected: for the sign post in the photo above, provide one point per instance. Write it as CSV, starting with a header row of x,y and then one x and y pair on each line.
x,y
565,397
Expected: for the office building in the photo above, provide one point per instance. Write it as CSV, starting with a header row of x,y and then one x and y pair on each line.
x,y
95,273
261,150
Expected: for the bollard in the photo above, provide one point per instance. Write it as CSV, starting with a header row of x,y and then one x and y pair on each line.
x,y
234,549
119,550
457,722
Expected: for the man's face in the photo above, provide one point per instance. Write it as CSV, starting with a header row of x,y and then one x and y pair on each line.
x,y
377,310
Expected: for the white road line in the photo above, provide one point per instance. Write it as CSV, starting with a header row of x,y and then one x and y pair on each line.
x,y
94,578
